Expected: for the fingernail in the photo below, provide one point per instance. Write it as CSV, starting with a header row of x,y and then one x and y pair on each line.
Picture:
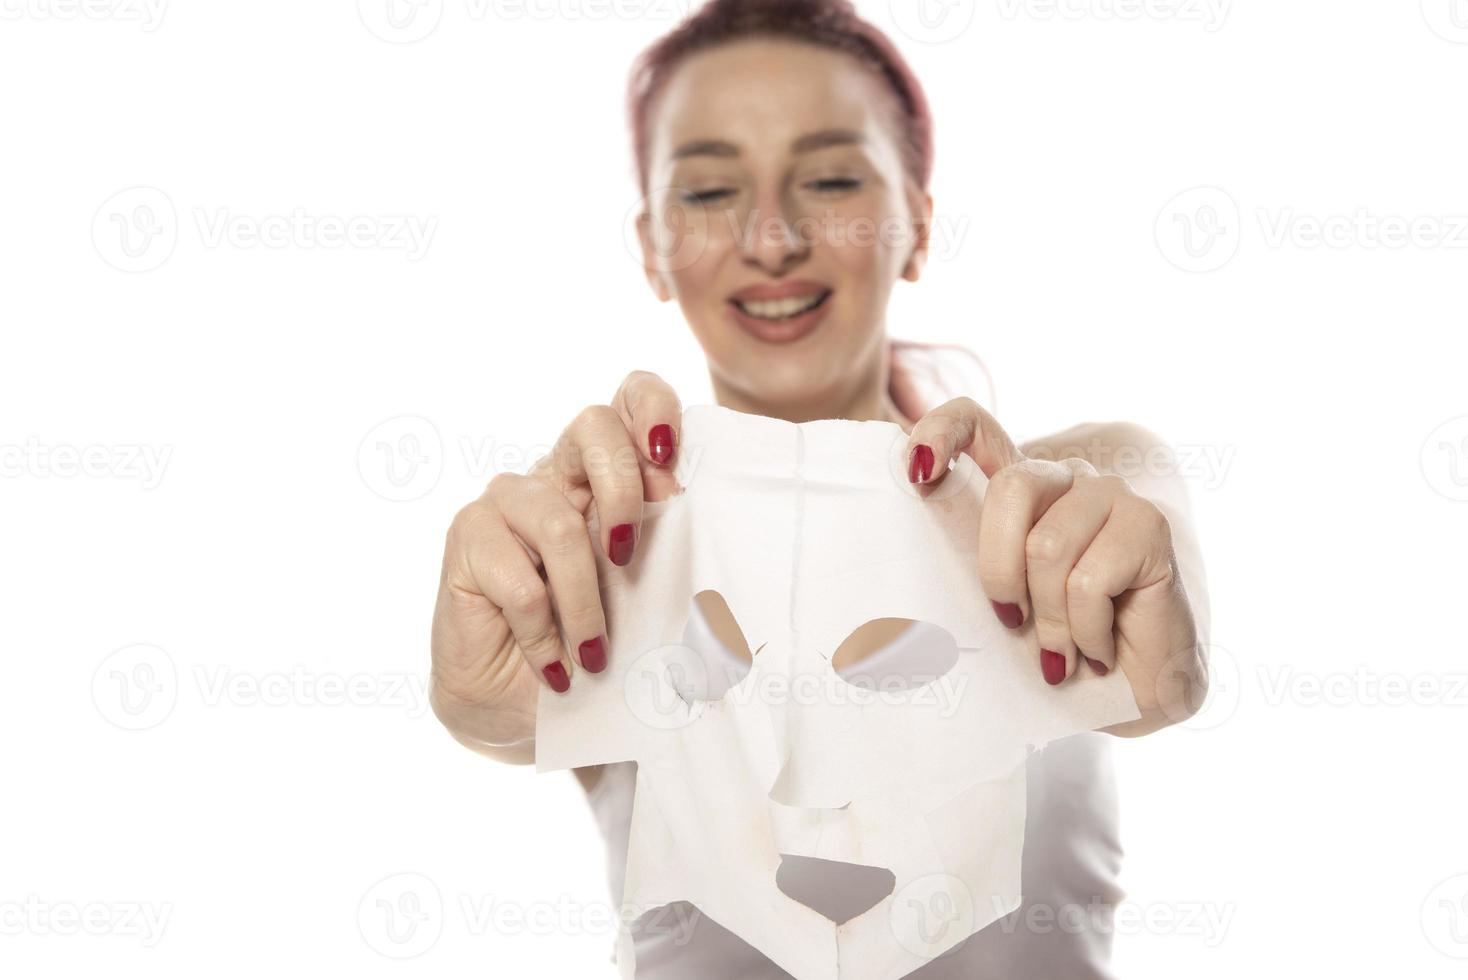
x,y
920,466
1101,669
1009,613
619,548
660,443
556,677
593,655
1053,666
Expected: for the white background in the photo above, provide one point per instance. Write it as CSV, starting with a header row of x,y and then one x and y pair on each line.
x,y
261,558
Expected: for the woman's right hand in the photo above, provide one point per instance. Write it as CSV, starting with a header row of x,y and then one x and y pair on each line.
x,y
519,590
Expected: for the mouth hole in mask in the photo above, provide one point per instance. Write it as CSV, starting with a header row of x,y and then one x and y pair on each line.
x,y
715,656
836,889
892,654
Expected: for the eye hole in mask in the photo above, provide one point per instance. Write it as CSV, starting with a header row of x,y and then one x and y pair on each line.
x,y
891,654
715,654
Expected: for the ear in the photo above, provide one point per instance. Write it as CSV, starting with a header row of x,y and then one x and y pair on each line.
x,y
656,278
921,204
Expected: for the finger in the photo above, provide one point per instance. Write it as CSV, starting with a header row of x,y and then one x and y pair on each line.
x,y
503,573
1052,548
1129,552
543,518
1015,499
956,426
596,449
652,413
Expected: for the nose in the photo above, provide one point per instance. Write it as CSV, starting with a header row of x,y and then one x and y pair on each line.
x,y
769,241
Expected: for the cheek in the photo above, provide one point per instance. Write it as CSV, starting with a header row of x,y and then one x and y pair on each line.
x,y
868,249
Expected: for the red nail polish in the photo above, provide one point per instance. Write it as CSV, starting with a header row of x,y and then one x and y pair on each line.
x,y
920,466
660,443
619,549
1052,664
1101,669
1009,613
593,655
556,677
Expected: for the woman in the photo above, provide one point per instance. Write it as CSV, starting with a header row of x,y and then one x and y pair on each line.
x,y
778,143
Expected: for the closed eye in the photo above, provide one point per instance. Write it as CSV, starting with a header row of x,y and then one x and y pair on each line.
x,y
834,185
711,196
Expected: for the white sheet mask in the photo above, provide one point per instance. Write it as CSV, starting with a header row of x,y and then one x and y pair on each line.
x,y
808,531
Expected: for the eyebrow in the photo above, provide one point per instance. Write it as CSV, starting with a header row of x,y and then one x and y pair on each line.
x,y
805,144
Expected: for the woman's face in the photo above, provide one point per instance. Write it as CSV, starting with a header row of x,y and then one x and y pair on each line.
x,y
779,216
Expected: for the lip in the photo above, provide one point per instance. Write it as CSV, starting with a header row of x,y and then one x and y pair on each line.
x,y
783,331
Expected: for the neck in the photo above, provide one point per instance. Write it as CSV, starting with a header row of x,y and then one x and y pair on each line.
x,y
867,397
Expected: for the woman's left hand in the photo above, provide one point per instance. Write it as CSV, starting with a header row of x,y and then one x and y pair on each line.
x,y
1080,555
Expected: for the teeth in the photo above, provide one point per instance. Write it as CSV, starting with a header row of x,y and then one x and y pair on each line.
x,y
780,309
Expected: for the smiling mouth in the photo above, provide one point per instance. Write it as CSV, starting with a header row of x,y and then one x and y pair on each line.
x,y
777,310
